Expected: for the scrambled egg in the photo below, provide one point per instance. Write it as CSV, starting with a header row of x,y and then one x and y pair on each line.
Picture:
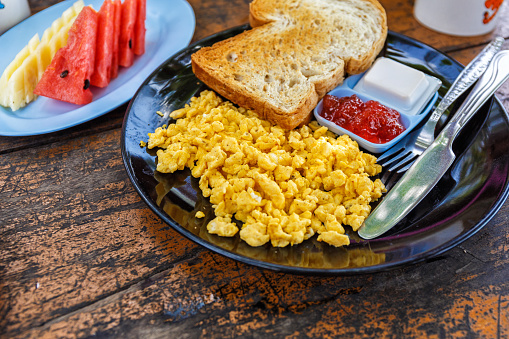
x,y
283,186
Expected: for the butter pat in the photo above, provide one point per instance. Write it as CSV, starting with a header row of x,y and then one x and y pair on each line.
x,y
398,85
395,82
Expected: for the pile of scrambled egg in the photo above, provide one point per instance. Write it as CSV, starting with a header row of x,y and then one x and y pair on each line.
x,y
283,186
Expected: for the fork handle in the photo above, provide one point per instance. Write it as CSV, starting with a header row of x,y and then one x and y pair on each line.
x,y
496,74
465,79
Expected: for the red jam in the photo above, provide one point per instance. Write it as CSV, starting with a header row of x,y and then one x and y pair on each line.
x,y
371,120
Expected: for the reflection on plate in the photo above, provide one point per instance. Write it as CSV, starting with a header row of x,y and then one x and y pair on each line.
x,y
462,203
170,27
311,253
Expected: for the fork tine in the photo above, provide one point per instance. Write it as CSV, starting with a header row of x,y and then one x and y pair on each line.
x,y
401,146
406,167
395,159
408,157
391,151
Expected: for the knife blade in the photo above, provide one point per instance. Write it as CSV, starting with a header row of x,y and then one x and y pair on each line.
x,y
431,165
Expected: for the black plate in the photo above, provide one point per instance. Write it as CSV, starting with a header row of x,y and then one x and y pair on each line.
x,y
462,203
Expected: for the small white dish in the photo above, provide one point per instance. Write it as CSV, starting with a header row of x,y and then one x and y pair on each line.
x,y
170,27
410,116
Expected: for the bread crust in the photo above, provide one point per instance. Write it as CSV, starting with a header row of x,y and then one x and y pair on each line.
x,y
262,108
356,66
206,68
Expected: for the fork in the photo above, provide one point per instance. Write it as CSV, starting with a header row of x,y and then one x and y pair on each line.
x,y
401,156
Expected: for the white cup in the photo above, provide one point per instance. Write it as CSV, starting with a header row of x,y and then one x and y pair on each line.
x,y
458,17
12,12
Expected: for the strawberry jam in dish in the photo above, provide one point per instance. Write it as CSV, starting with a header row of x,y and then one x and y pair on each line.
x,y
370,120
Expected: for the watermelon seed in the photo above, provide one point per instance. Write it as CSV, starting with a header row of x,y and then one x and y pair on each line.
x,y
64,74
87,84
130,43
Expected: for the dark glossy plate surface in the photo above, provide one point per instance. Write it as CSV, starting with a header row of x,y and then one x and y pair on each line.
x,y
462,203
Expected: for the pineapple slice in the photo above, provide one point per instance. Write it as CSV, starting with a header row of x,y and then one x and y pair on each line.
x,y
57,40
15,91
19,79
30,77
44,59
8,89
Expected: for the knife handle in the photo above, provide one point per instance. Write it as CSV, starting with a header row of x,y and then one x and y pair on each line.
x,y
494,76
467,77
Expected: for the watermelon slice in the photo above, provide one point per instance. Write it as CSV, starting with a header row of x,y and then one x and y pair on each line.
x,y
104,45
116,37
126,54
67,78
139,28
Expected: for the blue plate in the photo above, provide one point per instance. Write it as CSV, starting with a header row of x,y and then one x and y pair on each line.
x,y
170,27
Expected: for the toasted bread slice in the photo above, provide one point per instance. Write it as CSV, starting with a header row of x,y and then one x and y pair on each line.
x,y
296,52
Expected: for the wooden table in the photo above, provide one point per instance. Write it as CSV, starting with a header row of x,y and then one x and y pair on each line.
x,y
76,259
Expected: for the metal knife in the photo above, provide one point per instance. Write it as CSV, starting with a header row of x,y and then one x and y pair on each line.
x,y
465,79
431,165
468,76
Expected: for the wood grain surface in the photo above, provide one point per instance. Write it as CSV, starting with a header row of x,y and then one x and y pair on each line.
x,y
81,255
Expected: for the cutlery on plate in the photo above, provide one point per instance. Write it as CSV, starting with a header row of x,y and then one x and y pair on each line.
x,y
432,164
401,156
